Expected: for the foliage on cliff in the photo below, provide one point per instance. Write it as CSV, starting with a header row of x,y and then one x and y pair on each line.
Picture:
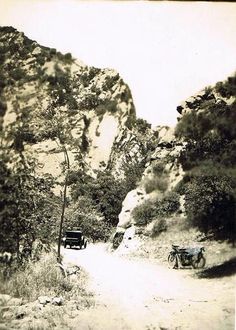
x,y
209,130
47,104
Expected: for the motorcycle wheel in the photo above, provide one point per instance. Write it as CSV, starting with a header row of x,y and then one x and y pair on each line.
x,y
199,263
172,260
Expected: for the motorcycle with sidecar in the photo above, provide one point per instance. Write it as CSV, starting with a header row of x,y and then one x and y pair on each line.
x,y
186,257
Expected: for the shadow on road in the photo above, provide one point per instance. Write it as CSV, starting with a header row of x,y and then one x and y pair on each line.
x,y
227,268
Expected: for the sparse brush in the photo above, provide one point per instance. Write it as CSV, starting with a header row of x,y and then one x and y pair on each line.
x,y
45,278
159,226
41,278
156,183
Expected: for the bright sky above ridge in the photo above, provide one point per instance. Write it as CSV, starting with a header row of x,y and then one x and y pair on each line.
x,y
165,51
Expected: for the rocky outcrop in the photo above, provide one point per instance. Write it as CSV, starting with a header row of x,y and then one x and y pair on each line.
x,y
205,132
165,155
51,94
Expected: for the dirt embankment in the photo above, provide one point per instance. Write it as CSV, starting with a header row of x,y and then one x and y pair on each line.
x,y
142,294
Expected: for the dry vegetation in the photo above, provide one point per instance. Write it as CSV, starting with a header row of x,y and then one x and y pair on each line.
x,y
19,303
177,232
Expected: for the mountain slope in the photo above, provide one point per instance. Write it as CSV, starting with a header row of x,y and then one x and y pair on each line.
x,y
191,174
41,87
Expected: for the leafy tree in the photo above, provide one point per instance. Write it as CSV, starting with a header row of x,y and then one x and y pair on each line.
x,y
57,127
210,201
85,216
209,157
28,210
105,191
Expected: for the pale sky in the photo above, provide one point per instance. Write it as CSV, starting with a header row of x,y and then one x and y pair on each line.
x,y
165,51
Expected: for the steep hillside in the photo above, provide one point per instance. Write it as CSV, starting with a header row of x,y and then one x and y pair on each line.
x,y
191,175
64,126
55,95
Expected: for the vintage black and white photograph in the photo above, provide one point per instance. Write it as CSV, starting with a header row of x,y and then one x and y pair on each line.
x,y
117,165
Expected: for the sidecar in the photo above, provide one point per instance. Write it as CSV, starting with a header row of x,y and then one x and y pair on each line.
x,y
193,257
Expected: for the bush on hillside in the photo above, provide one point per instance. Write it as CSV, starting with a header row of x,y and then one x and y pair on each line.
x,y
18,74
159,226
210,201
144,213
227,88
155,183
168,205
142,125
158,168
209,156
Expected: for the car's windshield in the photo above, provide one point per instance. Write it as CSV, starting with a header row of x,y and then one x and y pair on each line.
x,y
73,234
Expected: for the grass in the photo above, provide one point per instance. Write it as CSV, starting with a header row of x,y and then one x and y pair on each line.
x,y
44,278
217,253
37,279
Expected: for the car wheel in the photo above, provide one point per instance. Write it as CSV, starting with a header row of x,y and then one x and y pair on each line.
x,y
85,244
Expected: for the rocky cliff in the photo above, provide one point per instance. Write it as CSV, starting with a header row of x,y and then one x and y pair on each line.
x,y
56,110
51,99
191,173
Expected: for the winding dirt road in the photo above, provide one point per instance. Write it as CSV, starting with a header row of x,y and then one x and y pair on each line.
x,y
140,294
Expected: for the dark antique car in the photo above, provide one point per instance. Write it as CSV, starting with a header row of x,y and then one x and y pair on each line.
x,y
74,238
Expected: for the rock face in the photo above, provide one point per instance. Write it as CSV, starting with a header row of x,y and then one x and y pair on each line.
x,y
48,96
204,132
166,153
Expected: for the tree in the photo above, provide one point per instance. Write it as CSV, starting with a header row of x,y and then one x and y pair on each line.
x,y
54,123
87,217
210,201
27,202
28,207
105,192
209,157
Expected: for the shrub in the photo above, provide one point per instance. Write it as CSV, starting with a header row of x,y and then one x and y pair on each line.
x,y
41,59
159,226
37,279
68,58
158,168
45,277
144,213
168,205
110,82
18,74
210,201
3,108
142,125
117,239
156,183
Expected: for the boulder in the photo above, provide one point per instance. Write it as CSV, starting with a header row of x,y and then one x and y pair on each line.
x,y
132,199
43,300
58,301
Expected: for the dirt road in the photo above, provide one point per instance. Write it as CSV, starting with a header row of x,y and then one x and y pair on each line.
x,y
140,294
